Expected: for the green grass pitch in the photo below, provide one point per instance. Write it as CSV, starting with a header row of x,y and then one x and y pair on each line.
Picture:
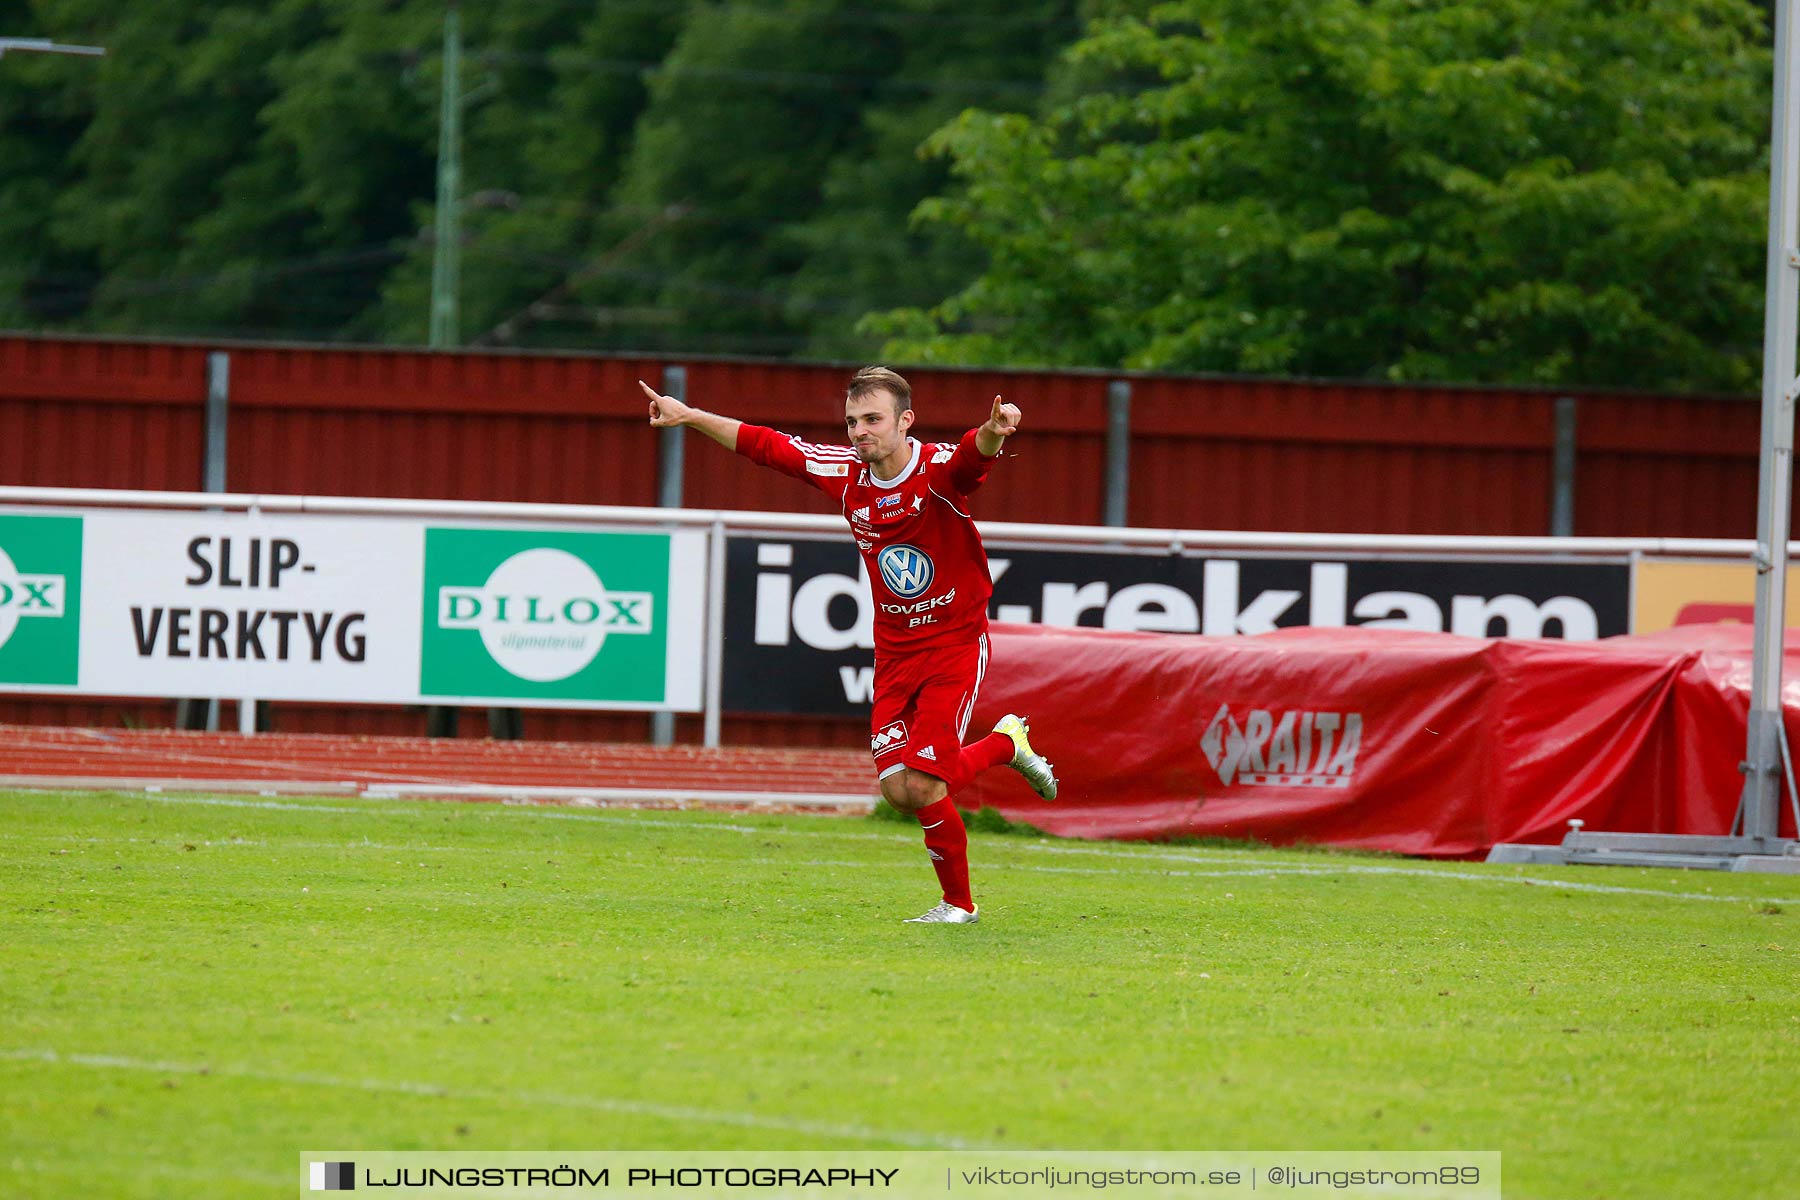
x,y
193,989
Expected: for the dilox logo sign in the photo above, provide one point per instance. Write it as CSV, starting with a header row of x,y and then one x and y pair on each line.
x,y
544,615
40,600
1283,749
23,596
603,619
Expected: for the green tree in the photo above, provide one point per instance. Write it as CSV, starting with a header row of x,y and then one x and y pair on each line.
x,y
860,253
233,170
1508,190
46,101
763,207
746,111
556,92
638,174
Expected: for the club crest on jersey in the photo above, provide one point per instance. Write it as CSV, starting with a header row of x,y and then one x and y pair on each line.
x,y
906,570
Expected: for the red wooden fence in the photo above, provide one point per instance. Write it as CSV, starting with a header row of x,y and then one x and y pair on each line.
x,y
1205,452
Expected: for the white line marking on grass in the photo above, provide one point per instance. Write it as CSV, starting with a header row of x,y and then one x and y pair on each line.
x,y
1282,869
77,839
1224,873
1563,884
1112,851
644,1108
856,801
282,805
1152,856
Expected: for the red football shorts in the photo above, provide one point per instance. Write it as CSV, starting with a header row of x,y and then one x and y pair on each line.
x,y
922,707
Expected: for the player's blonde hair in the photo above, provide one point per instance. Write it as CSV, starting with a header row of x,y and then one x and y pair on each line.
x,y
866,382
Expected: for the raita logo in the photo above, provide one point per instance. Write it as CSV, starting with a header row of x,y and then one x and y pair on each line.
x,y
1296,749
906,570
544,614
24,596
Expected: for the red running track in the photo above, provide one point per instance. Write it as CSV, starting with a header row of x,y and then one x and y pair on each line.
x,y
171,760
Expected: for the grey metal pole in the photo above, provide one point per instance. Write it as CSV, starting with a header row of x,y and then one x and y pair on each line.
x,y
672,448
1562,474
204,714
1761,803
218,402
1118,451
671,467
218,414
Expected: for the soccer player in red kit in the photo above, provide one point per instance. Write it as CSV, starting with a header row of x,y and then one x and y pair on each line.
x,y
908,507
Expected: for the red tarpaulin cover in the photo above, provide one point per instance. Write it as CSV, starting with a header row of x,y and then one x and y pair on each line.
x,y
1421,743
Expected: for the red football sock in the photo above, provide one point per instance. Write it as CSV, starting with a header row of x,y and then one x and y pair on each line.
x,y
991,751
948,843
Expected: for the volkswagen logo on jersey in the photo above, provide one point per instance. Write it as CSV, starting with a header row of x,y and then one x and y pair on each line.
x,y
906,570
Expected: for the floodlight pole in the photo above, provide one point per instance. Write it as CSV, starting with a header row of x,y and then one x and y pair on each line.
x,y
1760,808
446,264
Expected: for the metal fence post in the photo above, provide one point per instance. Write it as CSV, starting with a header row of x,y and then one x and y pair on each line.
x,y
218,403
1118,451
715,632
671,461
204,714
672,447
1562,476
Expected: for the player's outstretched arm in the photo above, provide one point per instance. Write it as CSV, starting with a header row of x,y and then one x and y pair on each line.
x,y
667,412
1001,424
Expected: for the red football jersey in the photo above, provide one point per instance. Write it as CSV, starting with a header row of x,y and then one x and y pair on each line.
x,y
928,571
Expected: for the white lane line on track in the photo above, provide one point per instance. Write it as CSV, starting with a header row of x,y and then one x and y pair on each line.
x,y
642,1108
368,777
1027,846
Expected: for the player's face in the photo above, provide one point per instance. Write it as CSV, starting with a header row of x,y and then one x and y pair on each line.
x,y
876,431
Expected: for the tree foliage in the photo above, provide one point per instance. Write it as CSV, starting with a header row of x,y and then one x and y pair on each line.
x,y
645,174
1543,190
1537,191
